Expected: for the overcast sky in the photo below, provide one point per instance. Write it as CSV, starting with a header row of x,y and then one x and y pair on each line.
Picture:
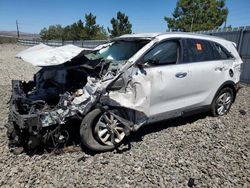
x,y
145,15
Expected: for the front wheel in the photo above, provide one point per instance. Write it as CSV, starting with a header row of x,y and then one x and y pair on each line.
x,y
100,131
222,102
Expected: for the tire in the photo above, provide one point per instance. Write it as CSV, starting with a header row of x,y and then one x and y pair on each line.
x,y
222,102
89,129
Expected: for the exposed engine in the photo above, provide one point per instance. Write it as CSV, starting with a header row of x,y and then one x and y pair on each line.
x,y
55,97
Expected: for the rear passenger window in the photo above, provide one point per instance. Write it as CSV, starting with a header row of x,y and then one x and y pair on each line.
x,y
198,50
220,52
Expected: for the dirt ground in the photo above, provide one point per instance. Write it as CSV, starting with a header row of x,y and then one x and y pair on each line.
x,y
214,152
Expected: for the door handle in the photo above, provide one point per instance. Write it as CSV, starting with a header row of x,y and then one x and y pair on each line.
x,y
219,68
181,74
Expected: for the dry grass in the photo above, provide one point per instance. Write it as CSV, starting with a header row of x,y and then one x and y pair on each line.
x,y
4,40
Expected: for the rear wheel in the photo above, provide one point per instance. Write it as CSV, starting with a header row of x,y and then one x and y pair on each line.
x,y
223,102
101,131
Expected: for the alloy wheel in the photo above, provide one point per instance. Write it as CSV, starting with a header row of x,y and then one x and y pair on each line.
x,y
223,103
109,130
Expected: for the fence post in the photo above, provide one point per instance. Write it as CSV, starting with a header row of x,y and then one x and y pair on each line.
x,y
242,31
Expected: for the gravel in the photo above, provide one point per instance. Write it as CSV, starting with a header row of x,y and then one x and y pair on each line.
x,y
198,151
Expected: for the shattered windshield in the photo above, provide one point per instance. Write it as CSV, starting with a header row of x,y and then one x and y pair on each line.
x,y
118,51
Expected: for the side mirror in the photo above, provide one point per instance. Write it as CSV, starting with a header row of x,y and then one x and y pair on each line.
x,y
141,64
146,63
152,62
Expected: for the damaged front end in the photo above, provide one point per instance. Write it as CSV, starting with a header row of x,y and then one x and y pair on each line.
x,y
47,112
37,111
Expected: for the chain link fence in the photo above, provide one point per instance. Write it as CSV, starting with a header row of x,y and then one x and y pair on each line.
x,y
57,43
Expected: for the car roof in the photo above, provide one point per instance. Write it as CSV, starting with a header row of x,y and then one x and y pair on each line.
x,y
137,36
162,36
188,35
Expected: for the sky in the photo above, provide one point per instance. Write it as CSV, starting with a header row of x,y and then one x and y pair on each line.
x,y
145,15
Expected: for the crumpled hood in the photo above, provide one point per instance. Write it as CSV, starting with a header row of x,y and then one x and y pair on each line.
x,y
42,55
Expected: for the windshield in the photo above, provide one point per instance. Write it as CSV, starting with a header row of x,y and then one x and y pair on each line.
x,y
118,51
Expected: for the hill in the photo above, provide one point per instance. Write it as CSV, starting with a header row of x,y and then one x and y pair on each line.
x,y
23,35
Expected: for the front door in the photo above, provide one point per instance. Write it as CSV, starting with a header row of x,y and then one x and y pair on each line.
x,y
169,79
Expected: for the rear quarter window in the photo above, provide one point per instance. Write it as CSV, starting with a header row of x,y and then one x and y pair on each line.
x,y
220,52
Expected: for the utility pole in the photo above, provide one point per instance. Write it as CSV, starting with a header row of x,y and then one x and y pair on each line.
x,y
17,29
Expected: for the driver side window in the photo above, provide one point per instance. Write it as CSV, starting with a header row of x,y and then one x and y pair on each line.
x,y
164,53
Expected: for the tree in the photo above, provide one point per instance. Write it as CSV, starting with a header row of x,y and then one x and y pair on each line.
x,y
76,31
91,28
44,33
120,25
197,15
53,32
101,34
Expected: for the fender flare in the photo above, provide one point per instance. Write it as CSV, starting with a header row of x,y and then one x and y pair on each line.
x,y
229,84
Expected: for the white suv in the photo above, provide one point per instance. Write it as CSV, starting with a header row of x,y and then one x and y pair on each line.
x,y
120,86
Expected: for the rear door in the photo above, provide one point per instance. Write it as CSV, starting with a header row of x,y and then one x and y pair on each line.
x,y
232,64
206,71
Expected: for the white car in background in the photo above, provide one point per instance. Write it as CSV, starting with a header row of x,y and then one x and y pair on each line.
x,y
134,80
